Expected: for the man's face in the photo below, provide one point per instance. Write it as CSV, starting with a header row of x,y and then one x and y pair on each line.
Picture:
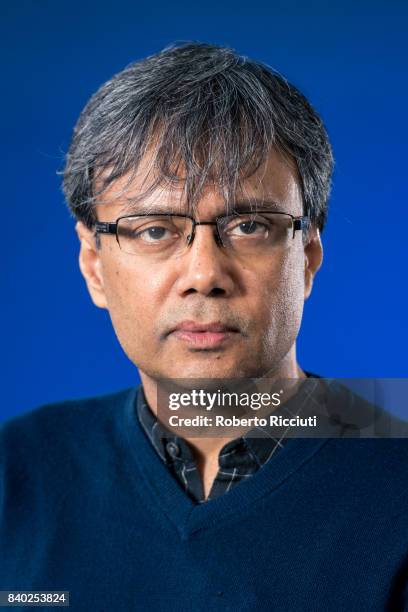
x,y
158,309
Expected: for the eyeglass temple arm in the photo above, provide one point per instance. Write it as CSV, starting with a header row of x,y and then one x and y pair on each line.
x,y
105,228
301,223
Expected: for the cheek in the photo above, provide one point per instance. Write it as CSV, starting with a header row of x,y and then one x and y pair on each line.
x,y
128,285
281,294
132,297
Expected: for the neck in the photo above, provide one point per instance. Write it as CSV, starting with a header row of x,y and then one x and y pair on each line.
x,y
207,449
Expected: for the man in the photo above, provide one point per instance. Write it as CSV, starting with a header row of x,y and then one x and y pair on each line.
x,y
199,180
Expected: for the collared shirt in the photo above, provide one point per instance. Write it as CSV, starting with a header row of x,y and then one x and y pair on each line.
x,y
238,460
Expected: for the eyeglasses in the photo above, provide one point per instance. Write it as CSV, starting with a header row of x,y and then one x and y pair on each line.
x,y
164,235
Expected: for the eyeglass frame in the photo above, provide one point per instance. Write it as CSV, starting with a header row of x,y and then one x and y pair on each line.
x,y
105,227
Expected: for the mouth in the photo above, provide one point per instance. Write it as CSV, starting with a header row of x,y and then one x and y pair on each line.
x,y
203,335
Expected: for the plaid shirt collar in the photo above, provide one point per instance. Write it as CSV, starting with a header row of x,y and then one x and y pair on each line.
x,y
238,459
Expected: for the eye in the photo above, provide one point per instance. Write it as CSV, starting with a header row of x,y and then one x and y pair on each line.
x,y
248,227
155,233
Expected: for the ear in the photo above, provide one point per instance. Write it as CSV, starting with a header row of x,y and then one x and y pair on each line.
x,y
90,264
313,250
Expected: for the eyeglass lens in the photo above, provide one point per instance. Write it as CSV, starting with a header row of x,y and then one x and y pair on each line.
x,y
163,236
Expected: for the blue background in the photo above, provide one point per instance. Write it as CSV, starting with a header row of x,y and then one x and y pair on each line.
x,y
349,59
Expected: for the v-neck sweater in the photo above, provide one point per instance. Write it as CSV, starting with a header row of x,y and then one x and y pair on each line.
x,y
88,507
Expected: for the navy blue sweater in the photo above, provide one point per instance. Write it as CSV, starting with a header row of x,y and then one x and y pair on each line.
x,y
87,506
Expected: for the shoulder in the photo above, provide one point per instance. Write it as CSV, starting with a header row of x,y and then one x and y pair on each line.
x,y
47,432
52,417
363,435
373,443
52,457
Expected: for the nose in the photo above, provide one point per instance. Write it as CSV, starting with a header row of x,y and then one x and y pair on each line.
x,y
205,268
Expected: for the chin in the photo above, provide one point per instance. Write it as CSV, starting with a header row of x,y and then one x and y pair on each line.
x,y
208,365
214,369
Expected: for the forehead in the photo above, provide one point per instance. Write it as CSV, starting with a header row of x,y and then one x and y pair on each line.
x,y
275,185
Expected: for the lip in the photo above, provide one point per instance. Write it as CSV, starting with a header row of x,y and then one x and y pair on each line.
x,y
203,335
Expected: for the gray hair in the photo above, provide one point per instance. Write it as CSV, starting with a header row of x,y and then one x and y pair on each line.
x,y
203,108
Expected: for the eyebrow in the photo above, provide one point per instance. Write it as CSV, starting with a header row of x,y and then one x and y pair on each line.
x,y
238,206
256,204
